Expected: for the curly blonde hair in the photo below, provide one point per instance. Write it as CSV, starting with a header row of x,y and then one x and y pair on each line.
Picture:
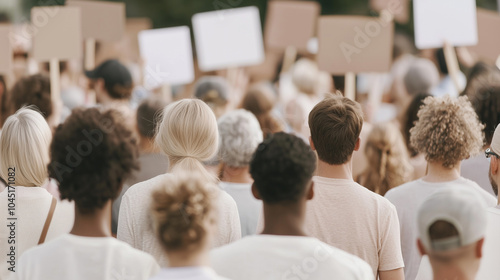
x,y
183,209
448,130
388,161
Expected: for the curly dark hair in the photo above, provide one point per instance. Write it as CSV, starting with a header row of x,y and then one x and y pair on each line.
x,y
282,167
92,154
31,90
486,103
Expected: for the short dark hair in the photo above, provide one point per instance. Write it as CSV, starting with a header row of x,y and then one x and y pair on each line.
x,y
335,125
148,116
411,117
486,103
30,90
282,167
92,154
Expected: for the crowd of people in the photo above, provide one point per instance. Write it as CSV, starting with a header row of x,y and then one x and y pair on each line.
x,y
240,178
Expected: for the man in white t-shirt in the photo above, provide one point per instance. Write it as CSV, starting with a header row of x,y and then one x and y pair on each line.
x,y
451,228
99,154
489,269
240,134
447,132
282,168
343,213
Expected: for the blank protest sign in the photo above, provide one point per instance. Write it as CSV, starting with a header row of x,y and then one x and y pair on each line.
x,y
488,24
437,21
57,33
290,23
354,44
228,38
5,49
102,21
168,56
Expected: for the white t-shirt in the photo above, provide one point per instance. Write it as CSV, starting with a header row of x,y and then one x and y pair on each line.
x,y
489,268
82,258
187,273
249,207
407,198
476,169
350,217
136,228
272,257
31,208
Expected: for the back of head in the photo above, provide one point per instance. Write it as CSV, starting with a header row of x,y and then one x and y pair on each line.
x,y
30,90
481,76
422,76
117,78
188,135
486,103
148,116
24,146
99,154
388,164
184,208
335,125
260,100
282,168
240,134
305,75
214,91
447,130
449,221
411,117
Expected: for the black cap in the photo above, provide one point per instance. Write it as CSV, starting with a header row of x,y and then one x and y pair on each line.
x,y
113,73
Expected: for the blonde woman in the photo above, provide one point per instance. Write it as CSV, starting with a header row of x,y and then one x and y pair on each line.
x,y
188,135
32,214
388,163
184,210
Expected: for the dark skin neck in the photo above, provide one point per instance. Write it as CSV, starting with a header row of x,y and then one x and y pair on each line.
x,y
285,218
95,224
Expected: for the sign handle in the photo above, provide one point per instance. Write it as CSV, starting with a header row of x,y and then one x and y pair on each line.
x,y
498,61
288,58
350,85
452,64
89,54
55,80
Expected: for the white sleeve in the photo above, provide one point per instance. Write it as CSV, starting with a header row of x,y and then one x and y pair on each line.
x,y
125,231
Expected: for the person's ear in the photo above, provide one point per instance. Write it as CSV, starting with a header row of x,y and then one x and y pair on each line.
x,y
310,192
358,144
479,248
255,192
311,143
494,165
421,248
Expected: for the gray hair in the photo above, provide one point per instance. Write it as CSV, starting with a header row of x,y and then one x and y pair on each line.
x,y
240,134
422,76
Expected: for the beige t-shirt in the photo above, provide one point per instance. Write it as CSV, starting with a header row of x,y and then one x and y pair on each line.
x,y
31,207
350,217
136,228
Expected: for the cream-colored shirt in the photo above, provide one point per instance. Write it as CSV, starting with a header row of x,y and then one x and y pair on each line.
x,y
136,228
31,206
350,217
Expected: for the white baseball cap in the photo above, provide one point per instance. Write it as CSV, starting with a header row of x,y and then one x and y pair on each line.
x,y
459,206
495,141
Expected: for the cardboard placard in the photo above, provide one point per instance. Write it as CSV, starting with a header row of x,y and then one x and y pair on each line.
x,y
399,9
6,52
290,23
437,21
228,38
168,56
101,21
57,33
488,24
354,44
